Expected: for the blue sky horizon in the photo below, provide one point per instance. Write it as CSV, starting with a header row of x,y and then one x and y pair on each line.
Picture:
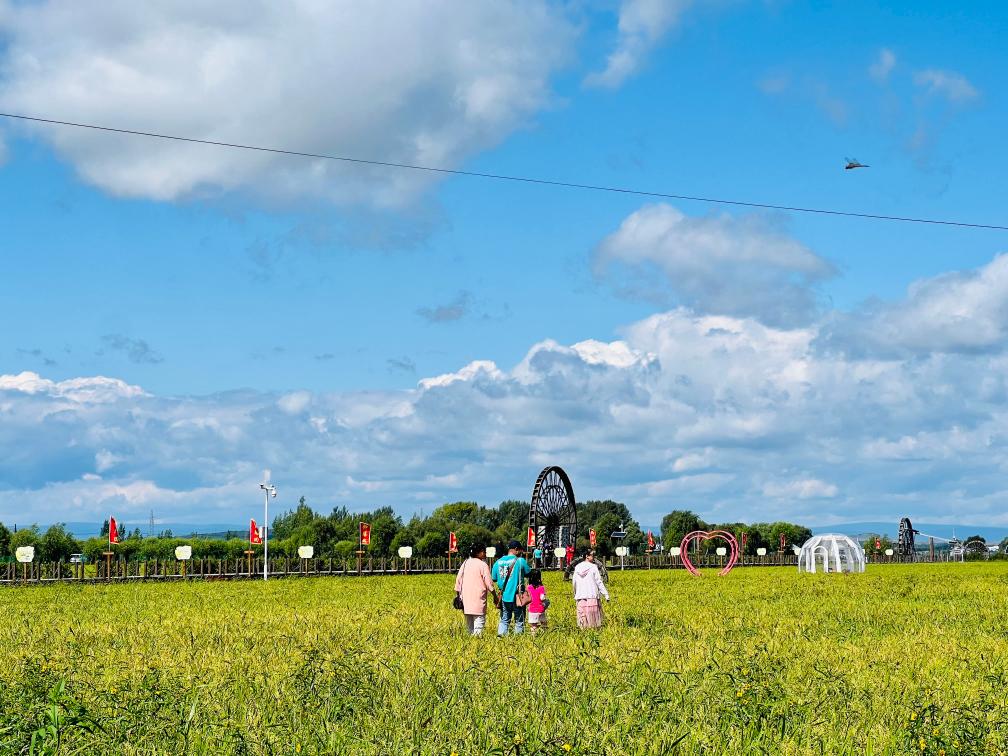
x,y
179,317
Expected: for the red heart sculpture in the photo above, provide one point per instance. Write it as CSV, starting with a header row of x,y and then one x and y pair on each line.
x,y
703,535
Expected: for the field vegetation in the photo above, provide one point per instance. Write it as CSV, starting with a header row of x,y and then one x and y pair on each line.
x,y
903,659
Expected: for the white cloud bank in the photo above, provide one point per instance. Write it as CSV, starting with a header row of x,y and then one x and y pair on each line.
x,y
429,83
719,413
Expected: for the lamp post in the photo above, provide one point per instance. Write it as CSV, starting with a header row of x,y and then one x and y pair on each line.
x,y
268,490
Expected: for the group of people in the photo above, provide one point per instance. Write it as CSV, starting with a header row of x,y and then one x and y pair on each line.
x,y
517,590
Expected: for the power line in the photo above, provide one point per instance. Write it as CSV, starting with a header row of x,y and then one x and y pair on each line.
x,y
517,179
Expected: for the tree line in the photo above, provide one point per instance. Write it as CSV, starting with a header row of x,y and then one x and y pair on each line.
x,y
336,534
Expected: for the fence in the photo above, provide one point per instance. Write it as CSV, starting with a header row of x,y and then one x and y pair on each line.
x,y
207,568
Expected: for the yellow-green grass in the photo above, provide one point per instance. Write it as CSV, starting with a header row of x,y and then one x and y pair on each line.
x,y
902,659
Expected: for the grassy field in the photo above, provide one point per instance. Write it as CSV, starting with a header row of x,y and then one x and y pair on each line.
x,y
903,659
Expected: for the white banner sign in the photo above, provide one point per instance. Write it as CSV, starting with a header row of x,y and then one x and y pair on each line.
x,y
25,553
761,551
491,552
306,552
405,552
183,552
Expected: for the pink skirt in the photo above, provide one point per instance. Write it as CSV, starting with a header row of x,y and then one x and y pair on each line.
x,y
589,613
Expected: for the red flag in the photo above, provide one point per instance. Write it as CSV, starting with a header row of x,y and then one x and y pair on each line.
x,y
591,537
743,541
255,537
531,539
783,542
365,534
878,544
452,543
113,531
650,541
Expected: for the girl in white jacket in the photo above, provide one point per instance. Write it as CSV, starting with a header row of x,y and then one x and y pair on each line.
x,y
588,586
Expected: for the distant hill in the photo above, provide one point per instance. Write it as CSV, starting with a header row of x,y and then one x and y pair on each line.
x,y
891,529
82,530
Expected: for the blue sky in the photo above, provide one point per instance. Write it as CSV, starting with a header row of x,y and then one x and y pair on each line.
x,y
177,318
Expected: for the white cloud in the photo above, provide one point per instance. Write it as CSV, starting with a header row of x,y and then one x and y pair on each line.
x,y
721,264
722,414
642,24
883,65
958,312
953,86
808,488
430,83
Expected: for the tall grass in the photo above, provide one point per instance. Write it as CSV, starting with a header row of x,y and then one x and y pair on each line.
x,y
902,659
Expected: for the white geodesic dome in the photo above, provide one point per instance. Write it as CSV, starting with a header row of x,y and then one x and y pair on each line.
x,y
831,552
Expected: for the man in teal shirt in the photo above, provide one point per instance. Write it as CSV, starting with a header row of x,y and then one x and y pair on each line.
x,y
509,572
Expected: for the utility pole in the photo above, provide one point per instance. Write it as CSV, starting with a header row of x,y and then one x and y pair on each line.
x,y
268,490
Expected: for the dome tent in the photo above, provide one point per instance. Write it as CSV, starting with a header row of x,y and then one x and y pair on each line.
x,y
831,552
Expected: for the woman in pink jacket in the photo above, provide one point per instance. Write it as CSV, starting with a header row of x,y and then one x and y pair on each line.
x,y
588,588
472,583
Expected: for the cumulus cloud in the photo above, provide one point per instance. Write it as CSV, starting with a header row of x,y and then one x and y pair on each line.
x,y
724,414
430,84
953,86
739,266
959,312
642,25
883,65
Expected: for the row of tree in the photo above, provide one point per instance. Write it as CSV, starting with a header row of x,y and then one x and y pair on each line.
x,y
336,534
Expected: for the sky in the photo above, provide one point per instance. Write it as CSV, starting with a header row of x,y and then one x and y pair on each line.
x,y
178,317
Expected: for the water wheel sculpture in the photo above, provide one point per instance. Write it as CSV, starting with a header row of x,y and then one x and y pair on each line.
x,y
905,540
553,513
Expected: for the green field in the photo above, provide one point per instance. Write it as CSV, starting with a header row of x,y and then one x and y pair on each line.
x,y
903,659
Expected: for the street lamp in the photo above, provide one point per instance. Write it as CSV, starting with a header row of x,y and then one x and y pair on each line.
x,y
268,490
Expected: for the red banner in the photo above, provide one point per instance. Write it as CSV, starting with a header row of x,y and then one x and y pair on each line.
x,y
591,537
113,531
255,537
531,539
650,541
783,542
452,543
878,545
365,534
743,541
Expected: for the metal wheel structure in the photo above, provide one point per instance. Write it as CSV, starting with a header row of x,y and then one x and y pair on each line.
x,y
975,548
905,540
553,513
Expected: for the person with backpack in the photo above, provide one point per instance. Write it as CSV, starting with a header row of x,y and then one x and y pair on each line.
x,y
472,583
509,572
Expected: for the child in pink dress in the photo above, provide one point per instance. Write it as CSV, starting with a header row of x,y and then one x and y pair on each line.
x,y
537,606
